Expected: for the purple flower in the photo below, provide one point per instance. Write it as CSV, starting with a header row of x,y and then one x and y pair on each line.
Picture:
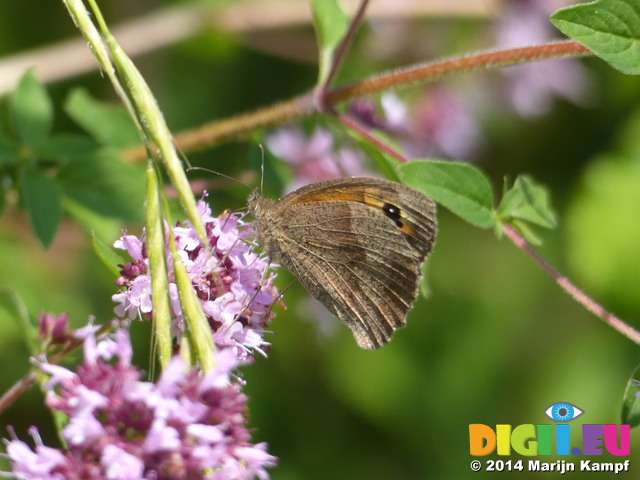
x,y
186,425
37,465
314,159
232,282
53,329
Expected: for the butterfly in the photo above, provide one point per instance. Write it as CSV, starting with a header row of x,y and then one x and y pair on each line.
x,y
356,244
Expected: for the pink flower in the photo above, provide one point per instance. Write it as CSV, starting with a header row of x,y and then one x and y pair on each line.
x,y
184,426
233,283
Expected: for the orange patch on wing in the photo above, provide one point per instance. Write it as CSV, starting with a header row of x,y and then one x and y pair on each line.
x,y
342,195
348,195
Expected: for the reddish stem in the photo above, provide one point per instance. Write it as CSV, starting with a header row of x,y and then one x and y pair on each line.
x,y
306,105
18,389
431,71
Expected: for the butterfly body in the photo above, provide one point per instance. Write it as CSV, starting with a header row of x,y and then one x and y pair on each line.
x,y
356,244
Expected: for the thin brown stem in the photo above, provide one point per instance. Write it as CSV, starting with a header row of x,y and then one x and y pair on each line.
x,y
572,290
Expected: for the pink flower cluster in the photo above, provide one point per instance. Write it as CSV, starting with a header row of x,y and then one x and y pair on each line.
x,y
231,281
185,426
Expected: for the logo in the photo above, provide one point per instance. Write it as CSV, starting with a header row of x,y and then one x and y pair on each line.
x,y
563,412
530,440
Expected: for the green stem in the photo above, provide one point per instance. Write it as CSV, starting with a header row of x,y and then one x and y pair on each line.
x,y
157,253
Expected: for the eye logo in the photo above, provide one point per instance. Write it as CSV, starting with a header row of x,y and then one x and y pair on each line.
x,y
563,412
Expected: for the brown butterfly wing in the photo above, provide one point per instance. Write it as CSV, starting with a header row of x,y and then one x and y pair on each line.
x,y
357,245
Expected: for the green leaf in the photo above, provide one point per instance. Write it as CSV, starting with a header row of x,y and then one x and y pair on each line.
x,y
31,110
9,154
63,148
92,222
631,404
524,229
460,187
528,201
385,163
108,256
106,185
107,124
609,28
331,24
41,197
15,307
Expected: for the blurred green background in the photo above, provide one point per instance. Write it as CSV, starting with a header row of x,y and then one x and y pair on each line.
x,y
496,342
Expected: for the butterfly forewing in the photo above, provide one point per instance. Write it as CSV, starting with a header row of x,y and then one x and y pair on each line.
x,y
356,244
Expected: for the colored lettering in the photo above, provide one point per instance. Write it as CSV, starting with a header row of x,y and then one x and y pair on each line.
x,y
503,432
544,439
523,440
530,440
563,438
592,439
610,438
482,439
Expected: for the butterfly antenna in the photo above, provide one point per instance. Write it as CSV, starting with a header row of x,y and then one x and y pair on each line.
x,y
262,171
220,174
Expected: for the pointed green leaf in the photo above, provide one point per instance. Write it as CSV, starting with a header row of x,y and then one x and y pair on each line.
x,y
15,307
331,24
105,184
31,110
631,404
107,124
108,256
528,201
524,229
9,154
41,196
609,28
63,148
460,187
93,223
386,164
